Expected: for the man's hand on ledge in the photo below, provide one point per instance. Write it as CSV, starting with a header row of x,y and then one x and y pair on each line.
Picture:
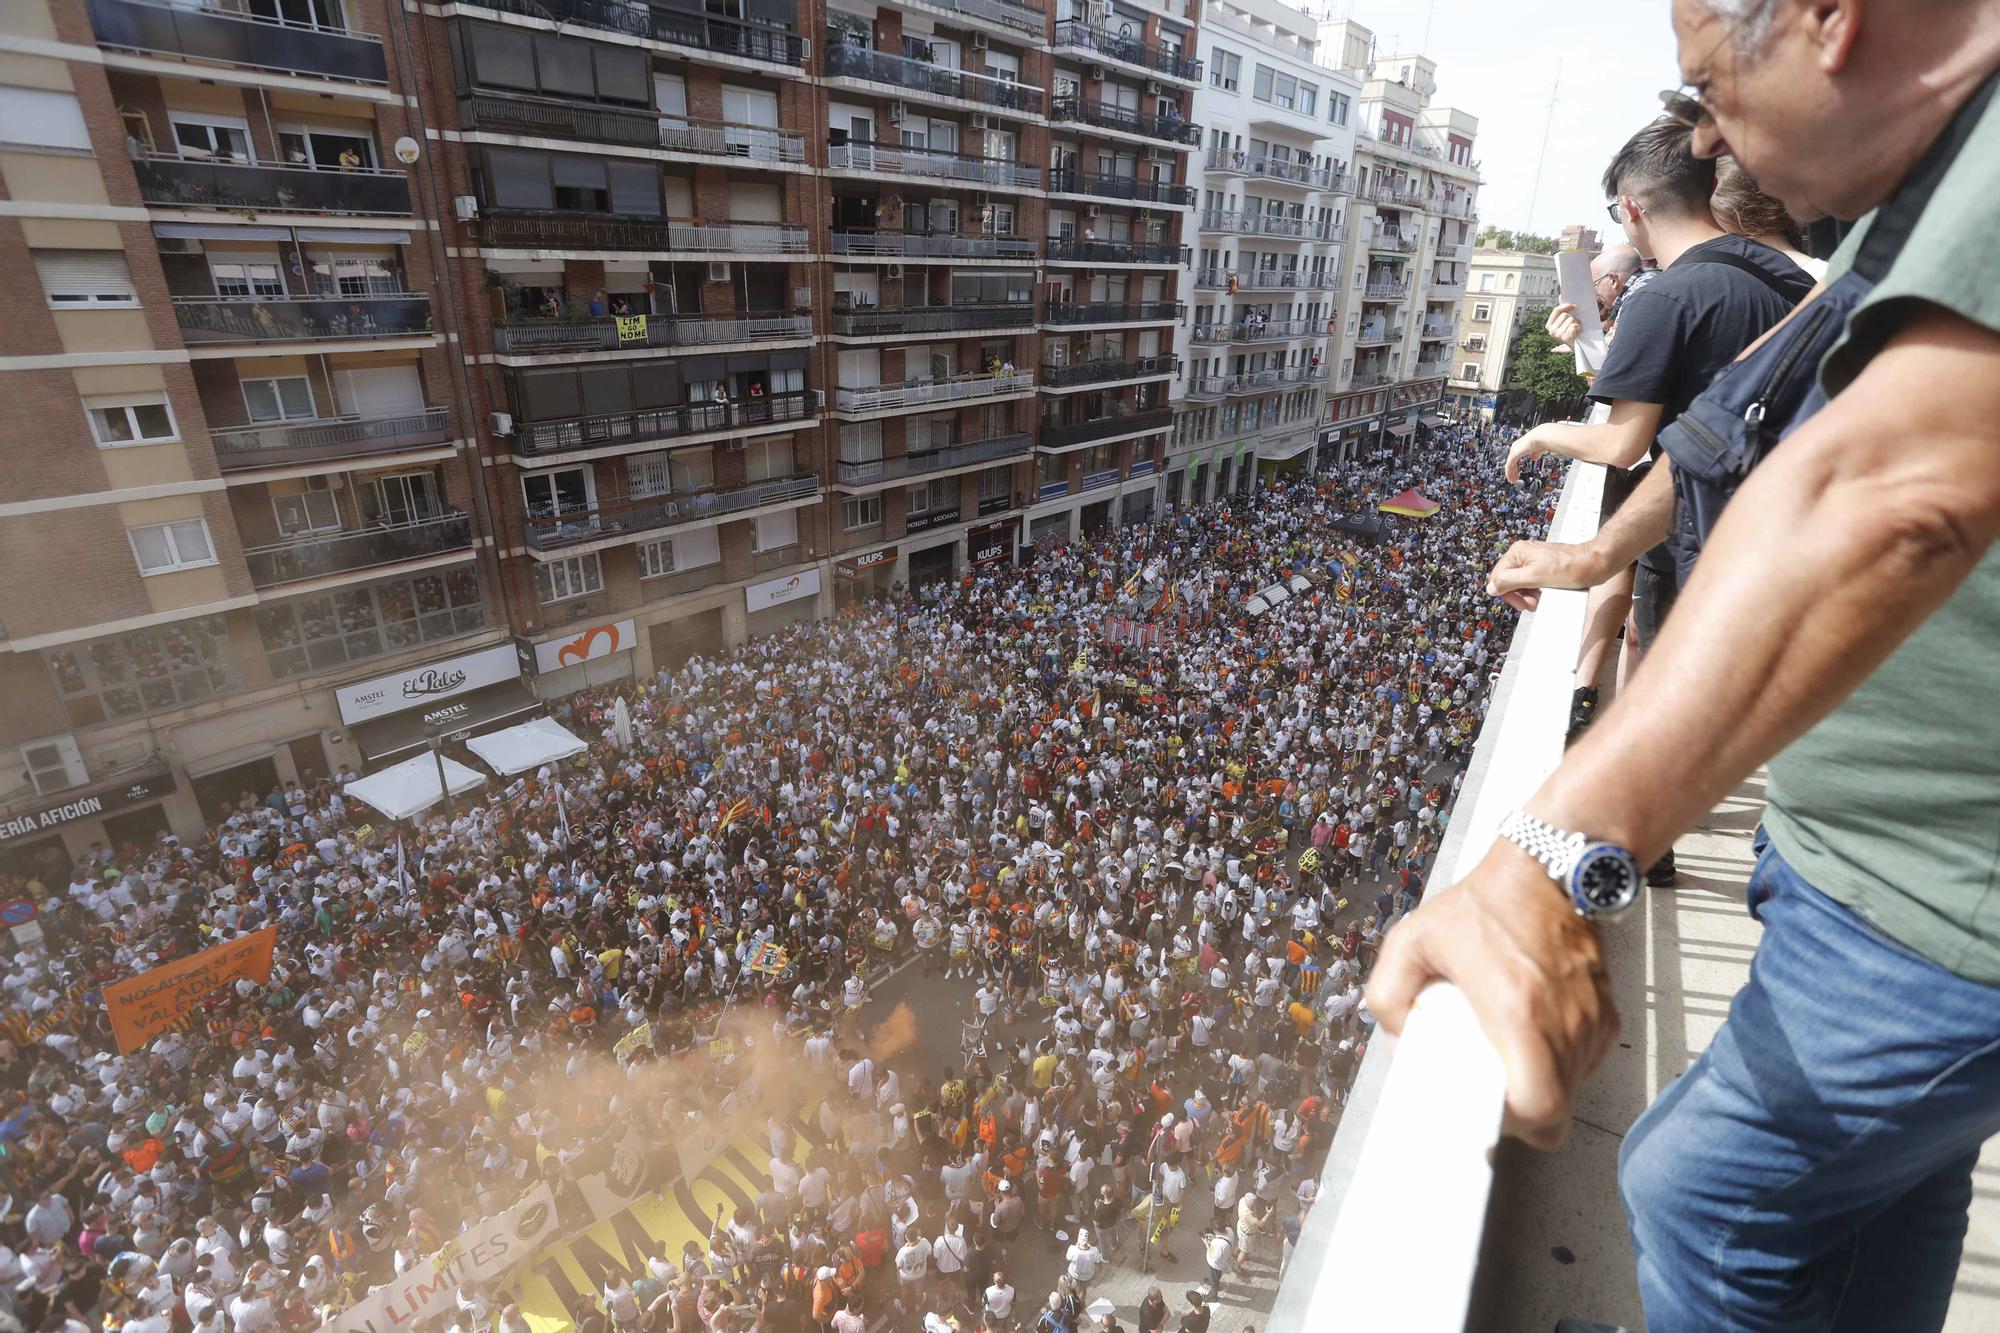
x,y
1528,567
1532,968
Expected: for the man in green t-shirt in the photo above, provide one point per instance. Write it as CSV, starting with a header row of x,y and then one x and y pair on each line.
x,y
1814,1168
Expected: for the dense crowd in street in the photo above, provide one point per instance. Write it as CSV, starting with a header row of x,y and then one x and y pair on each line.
x,y
1159,867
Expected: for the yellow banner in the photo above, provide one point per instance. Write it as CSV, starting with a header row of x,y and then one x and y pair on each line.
x,y
631,328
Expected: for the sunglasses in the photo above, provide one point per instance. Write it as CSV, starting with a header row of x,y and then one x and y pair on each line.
x,y
1687,104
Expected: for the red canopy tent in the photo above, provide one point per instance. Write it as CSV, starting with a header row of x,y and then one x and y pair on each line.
x,y
1411,504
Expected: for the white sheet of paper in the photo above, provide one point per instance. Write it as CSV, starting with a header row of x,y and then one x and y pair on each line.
x,y
1573,275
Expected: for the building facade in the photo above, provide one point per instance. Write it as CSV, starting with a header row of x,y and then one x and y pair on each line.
x,y
376,364
1505,287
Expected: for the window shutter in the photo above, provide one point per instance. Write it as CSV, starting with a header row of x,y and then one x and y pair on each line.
x,y
41,118
84,277
694,549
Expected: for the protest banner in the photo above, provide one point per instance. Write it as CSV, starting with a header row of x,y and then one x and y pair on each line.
x,y
430,1287
143,1007
769,958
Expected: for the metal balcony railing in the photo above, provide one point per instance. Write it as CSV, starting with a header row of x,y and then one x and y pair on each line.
x,y
1265,279
723,138
1119,187
1385,291
898,160
934,460
895,244
1095,313
1434,332
1100,372
216,35
1168,129
706,32
533,439
1149,55
341,437
1079,250
207,320
1369,337
851,61
1061,435
1370,379
1420,368
1253,331
572,229
635,513
171,181
738,238
913,393
1326,230
340,552
557,117
1007,13
1445,291
872,321
549,337
1237,161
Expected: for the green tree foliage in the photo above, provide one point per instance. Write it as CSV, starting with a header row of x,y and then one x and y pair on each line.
x,y
1543,366
1498,238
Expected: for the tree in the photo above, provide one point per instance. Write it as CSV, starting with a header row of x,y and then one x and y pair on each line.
x,y
1542,366
1499,238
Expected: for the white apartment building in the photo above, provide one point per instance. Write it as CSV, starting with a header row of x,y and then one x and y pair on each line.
x,y
1505,286
1274,186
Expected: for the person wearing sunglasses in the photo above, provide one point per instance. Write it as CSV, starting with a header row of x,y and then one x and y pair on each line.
x,y
1841,628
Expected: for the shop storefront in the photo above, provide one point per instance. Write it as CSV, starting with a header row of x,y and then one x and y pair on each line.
x,y
934,564
32,843
471,694
862,577
579,658
791,599
675,641
992,543
1137,507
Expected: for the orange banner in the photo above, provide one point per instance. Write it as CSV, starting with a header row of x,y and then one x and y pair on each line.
x,y
144,1006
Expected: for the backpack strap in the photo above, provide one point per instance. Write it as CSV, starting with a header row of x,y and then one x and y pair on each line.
x,y
1897,219
1763,275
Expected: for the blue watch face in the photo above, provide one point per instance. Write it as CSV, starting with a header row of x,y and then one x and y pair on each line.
x,y
1605,879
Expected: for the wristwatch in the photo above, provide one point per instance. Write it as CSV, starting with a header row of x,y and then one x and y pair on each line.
x,y
1601,878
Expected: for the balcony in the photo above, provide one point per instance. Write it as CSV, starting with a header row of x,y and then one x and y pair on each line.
x,y
1326,230
846,60
915,393
629,514
934,460
1369,379
1120,187
1397,195
903,245
1445,291
341,552
571,229
1382,337
1104,372
724,138
557,118
1385,291
704,32
535,439
1064,434
1136,312
738,238
553,337
340,437
1259,331
1238,162
894,159
170,181
1427,367
1392,243
1006,13
1167,129
226,320
219,36
867,322
1434,331
1078,35
1079,250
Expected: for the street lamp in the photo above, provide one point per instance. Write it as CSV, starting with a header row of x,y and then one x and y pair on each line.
x,y
434,737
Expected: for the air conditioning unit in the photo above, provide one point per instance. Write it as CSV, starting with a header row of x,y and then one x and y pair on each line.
x,y
501,423
980,122
1092,211
892,270
466,206
898,112
1098,73
177,245
718,271
54,765
979,41
732,446
1153,88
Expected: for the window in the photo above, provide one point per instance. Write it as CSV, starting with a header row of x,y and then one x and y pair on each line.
x,y
995,482
774,532
689,551
213,140
408,497
1510,282
144,419
1336,108
287,399
1279,89
554,494
246,277
144,671
1470,371
1486,282
938,495
38,118
1308,99
766,459
1482,313
165,547
1223,69
862,512
560,580
354,624
73,278
313,508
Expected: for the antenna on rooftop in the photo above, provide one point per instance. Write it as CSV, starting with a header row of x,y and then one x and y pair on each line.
x,y
1541,157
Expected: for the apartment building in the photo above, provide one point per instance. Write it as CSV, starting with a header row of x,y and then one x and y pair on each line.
x,y
1276,187
384,369
1505,287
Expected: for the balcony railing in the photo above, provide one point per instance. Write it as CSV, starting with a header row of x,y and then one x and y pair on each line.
x,y
1434,332
895,244
879,397
1237,161
1101,372
550,337
556,117
738,238
724,138
1079,250
871,321
343,437
934,460
625,514
1377,337
1254,381
1421,368
848,60
1007,13
1119,187
897,160
337,553
1370,379
1095,313
730,37
1082,111
532,439
1061,435
215,35
1150,55
1445,291
256,319
572,229
170,181
1385,291
1249,331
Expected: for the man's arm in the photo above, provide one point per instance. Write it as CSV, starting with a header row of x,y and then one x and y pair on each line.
x,y
1838,546
1640,524
1620,441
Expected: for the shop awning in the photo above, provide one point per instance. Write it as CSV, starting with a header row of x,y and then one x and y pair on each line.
x,y
479,710
526,745
1434,421
1402,430
1411,504
351,236
405,790
215,231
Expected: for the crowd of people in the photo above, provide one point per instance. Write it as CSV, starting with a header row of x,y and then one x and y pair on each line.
x,y
1150,870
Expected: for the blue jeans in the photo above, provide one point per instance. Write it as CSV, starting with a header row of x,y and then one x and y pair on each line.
x,y
1812,1170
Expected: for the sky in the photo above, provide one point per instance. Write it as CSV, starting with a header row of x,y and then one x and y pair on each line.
x,y
1498,60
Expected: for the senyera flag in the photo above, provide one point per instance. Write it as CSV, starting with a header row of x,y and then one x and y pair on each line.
x,y
143,1007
